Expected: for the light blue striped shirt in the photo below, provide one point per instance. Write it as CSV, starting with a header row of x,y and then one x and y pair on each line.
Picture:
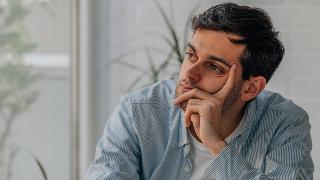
x,y
145,138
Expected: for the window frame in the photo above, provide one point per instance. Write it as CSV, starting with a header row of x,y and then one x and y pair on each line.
x,y
81,91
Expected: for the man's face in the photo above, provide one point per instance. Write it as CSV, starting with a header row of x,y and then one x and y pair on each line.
x,y
206,66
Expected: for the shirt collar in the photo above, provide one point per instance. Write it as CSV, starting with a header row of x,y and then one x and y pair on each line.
x,y
252,112
244,131
183,136
238,131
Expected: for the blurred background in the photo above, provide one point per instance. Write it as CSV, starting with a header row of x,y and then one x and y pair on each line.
x,y
65,63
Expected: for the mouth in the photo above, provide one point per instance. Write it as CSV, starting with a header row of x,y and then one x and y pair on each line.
x,y
186,88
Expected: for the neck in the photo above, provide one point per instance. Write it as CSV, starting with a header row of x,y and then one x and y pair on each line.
x,y
230,120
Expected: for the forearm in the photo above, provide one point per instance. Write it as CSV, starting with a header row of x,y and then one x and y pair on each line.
x,y
230,164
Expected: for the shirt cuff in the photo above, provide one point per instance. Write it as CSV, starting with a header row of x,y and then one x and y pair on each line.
x,y
229,164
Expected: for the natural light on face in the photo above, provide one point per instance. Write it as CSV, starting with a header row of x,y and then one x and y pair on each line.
x,y
207,63
213,66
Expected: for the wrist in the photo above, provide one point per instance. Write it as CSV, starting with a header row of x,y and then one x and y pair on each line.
x,y
216,147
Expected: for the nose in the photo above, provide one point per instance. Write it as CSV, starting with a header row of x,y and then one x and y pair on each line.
x,y
194,72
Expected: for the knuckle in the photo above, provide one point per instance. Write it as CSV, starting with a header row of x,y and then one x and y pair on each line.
x,y
191,102
214,104
195,91
187,109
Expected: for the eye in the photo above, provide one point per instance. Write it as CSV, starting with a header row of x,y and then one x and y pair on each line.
x,y
190,56
217,68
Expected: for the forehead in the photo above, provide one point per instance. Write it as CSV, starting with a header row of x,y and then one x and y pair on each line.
x,y
216,43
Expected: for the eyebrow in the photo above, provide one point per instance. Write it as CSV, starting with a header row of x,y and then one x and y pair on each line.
x,y
211,57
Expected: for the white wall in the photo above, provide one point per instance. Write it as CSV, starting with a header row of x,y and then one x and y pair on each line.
x,y
124,23
45,129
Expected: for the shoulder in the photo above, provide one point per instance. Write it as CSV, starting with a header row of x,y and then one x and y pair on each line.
x,y
274,109
151,111
271,101
160,94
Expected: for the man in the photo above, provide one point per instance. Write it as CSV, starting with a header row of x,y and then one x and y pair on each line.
x,y
216,121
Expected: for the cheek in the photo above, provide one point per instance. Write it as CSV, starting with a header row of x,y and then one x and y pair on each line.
x,y
183,70
212,84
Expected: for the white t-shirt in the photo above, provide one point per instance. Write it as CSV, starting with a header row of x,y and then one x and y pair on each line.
x,y
200,155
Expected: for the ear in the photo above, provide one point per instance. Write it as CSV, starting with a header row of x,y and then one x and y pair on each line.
x,y
252,87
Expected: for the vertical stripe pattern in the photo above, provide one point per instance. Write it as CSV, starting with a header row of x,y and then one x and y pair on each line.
x,y
145,139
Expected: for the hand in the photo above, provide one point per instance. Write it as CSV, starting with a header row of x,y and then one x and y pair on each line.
x,y
204,113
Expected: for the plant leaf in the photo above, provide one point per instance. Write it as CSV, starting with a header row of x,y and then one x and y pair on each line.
x,y
187,26
172,31
154,74
41,167
135,82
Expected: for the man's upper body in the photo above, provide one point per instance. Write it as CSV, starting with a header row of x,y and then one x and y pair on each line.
x,y
231,56
145,138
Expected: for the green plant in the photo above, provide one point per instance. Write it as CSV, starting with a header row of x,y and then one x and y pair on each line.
x,y
176,44
16,78
42,169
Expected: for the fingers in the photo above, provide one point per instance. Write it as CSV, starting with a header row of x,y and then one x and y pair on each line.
x,y
226,89
192,109
195,119
194,93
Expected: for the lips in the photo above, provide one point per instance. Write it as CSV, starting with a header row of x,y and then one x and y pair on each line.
x,y
186,88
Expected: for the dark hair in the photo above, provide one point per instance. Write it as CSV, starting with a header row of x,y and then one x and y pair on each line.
x,y
264,51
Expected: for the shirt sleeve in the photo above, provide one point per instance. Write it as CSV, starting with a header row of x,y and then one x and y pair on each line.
x,y
117,152
288,158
